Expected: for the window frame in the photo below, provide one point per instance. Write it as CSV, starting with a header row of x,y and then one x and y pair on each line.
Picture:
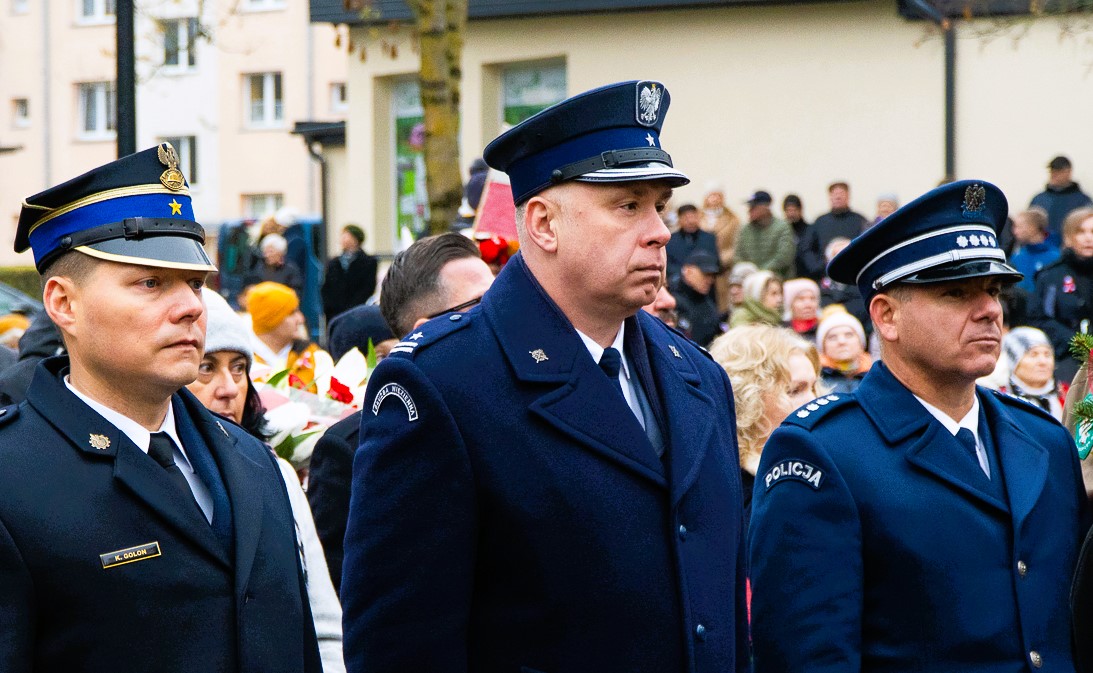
x,y
20,119
273,112
102,12
103,95
184,30
271,202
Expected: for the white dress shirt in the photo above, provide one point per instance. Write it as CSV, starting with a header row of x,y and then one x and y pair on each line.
x,y
142,438
628,392
970,421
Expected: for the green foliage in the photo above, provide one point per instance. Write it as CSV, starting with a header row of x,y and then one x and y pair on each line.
x,y
371,358
23,278
1083,411
1080,345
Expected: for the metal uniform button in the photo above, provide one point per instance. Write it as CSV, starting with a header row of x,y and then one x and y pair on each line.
x,y
682,532
1036,659
700,633
455,318
1022,568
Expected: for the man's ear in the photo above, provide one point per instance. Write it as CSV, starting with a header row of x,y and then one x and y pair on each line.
x,y
60,296
541,217
884,311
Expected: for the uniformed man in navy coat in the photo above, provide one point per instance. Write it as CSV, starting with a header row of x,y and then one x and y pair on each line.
x,y
549,482
920,523
138,532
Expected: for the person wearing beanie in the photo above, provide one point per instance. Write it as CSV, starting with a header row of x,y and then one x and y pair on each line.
x,y
356,328
801,298
762,301
224,387
844,362
350,278
1029,361
276,323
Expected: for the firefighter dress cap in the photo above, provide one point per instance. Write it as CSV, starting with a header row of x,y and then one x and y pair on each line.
x,y
949,233
609,134
135,210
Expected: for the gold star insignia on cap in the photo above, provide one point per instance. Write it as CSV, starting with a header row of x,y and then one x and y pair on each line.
x,y
100,442
539,355
176,207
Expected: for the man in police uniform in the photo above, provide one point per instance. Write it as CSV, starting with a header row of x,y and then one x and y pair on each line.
x,y
549,482
137,530
920,523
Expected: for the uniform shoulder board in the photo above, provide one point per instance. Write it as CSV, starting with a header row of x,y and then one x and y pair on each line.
x,y
812,413
8,414
431,332
1023,405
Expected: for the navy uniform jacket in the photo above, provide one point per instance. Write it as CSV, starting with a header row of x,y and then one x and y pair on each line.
x,y
878,544
196,606
508,512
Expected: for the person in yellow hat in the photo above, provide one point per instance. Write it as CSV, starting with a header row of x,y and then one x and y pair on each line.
x,y
278,325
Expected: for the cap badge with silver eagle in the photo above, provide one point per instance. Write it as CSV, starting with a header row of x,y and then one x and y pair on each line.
x,y
975,200
648,109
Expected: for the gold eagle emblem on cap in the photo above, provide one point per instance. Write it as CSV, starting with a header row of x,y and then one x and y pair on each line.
x,y
171,178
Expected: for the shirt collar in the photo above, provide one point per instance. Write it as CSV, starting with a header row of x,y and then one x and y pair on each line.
x,y
970,420
596,350
133,430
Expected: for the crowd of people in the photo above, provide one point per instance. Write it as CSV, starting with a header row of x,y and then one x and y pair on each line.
x,y
866,470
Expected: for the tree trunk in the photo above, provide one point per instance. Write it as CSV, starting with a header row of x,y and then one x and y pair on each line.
x,y
440,27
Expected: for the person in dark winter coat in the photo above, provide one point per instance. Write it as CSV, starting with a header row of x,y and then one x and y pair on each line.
x,y
841,222
40,341
695,304
350,278
1063,301
685,241
1061,195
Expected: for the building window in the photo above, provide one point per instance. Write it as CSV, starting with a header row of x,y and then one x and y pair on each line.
x,y
20,112
412,198
186,146
530,88
97,11
265,104
339,100
97,110
20,6
179,37
259,206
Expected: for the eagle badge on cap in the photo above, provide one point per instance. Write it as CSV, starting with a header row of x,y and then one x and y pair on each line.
x,y
171,178
649,94
975,200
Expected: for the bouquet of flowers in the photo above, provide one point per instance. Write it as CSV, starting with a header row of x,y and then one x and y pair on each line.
x,y
304,400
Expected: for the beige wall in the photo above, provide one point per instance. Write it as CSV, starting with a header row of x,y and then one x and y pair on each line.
x,y
779,98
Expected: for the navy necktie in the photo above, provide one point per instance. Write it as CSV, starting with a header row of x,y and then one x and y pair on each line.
x,y
161,448
967,440
611,364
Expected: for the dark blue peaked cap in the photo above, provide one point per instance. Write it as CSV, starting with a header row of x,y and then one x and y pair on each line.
x,y
950,233
135,210
609,134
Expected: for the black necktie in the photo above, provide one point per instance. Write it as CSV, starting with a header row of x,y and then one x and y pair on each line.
x,y
967,440
162,450
611,364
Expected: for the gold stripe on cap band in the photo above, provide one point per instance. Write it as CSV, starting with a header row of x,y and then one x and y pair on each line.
x,y
144,261
135,190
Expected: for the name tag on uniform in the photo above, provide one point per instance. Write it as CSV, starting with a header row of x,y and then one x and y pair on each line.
x,y
130,555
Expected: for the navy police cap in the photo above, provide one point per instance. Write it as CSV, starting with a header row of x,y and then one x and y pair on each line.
x,y
135,210
949,233
609,134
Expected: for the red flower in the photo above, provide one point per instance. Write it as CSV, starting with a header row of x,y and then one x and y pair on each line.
x,y
340,392
296,382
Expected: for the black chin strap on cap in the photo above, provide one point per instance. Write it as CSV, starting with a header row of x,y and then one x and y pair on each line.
x,y
610,159
130,228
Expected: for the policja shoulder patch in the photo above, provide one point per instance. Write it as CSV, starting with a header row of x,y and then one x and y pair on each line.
x,y
793,469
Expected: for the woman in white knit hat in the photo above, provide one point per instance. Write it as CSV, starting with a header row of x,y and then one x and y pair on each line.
x,y
841,341
1028,360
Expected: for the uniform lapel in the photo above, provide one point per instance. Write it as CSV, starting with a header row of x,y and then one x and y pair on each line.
x,y
576,398
94,436
899,416
690,411
1024,462
244,480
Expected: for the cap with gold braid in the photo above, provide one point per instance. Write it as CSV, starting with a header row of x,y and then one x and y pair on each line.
x,y
135,210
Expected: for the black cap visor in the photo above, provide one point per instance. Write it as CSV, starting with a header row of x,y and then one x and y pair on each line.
x,y
975,268
168,252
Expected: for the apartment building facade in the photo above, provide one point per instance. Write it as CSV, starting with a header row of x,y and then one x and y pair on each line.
x,y
222,80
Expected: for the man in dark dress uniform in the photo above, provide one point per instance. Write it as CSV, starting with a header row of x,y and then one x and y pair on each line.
x,y
137,530
920,523
532,491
